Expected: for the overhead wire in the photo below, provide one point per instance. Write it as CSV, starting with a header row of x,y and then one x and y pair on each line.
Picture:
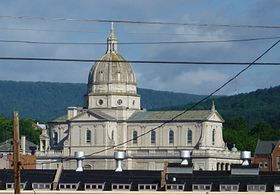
x,y
184,111
139,22
138,61
142,43
46,30
127,32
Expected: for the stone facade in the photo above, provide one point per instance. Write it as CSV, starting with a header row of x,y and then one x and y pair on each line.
x,y
113,120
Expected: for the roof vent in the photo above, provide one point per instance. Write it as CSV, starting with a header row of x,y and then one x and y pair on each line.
x,y
80,155
119,156
185,155
246,168
246,157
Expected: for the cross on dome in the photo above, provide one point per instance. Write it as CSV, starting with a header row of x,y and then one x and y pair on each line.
x,y
112,41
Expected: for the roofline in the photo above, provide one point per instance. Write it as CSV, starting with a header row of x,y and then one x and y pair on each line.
x,y
174,121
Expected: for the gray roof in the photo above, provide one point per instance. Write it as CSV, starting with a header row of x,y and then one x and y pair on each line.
x,y
99,114
7,146
167,115
60,119
149,116
265,147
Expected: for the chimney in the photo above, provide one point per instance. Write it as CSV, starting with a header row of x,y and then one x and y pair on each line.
x,y
72,112
119,156
23,144
246,157
79,157
185,155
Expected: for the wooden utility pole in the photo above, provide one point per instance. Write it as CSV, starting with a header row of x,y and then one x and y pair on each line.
x,y
16,154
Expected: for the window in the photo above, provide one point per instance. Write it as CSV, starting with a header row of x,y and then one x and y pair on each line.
x,y
88,136
260,165
119,102
278,162
94,186
201,187
175,187
147,187
189,137
112,135
115,186
213,137
265,165
171,136
261,188
153,137
276,187
55,138
101,75
100,101
225,187
134,137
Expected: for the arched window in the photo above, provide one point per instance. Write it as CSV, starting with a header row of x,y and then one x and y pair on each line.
x,y
153,137
213,136
55,138
88,136
112,135
134,137
171,136
189,136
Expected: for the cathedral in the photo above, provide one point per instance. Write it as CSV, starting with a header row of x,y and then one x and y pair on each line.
x,y
112,120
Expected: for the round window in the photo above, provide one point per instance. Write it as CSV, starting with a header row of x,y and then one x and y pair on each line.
x,y
100,101
119,101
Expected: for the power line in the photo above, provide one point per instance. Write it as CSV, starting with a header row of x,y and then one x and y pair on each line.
x,y
138,61
141,22
186,110
142,43
96,32
45,30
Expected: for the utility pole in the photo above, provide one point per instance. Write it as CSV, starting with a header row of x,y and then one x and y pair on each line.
x,y
16,154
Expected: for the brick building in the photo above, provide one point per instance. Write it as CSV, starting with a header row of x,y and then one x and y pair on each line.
x,y
267,155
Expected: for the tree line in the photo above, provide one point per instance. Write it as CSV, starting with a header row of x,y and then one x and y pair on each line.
x,y
27,127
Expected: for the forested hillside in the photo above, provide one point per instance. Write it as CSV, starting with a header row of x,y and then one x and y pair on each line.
x,y
45,101
262,105
248,117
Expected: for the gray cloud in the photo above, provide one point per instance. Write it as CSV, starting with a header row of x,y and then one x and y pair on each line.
x,y
190,79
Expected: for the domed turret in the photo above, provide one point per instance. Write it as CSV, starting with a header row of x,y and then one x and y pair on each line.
x,y
112,81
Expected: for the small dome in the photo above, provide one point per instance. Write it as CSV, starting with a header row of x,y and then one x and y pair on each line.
x,y
234,149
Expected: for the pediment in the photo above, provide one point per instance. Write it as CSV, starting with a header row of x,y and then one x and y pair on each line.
x,y
90,115
215,116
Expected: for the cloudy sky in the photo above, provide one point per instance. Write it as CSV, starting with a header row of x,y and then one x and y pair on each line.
x,y
197,79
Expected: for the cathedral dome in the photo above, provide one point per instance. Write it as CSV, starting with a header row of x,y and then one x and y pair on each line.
x,y
111,68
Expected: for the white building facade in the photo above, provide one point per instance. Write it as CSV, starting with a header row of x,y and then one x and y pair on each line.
x,y
112,120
